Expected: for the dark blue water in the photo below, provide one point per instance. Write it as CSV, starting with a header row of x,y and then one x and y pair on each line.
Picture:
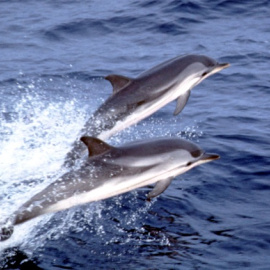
x,y
53,55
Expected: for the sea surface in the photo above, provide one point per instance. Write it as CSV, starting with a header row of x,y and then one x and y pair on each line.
x,y
53,59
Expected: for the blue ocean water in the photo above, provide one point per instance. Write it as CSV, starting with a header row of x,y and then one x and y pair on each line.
x,y
53,56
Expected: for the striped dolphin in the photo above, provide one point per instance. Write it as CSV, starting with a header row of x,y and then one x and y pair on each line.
x,y
109,171
135,99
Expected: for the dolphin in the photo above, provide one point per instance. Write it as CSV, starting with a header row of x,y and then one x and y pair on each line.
x,y
109,171
134,99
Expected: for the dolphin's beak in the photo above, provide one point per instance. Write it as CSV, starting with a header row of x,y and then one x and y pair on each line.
x,y
209,157
223,65
219,67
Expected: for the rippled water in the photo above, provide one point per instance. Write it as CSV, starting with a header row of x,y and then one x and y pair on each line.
x,y
53,56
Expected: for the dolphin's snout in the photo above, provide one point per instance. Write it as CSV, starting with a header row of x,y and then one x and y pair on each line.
x,y
209,157
218,67
223,65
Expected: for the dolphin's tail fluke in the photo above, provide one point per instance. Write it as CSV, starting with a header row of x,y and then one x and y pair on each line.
x,y
6,231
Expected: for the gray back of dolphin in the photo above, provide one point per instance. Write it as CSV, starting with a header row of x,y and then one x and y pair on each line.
x,y
136,99
109,171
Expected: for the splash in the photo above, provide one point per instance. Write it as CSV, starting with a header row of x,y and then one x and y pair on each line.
x,y
36,133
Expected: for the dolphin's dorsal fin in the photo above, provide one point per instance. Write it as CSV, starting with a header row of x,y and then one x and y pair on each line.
x,y
181,102
95,146
118,82
159,188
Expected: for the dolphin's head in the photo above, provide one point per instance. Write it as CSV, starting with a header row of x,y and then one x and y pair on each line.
x,y
204,66
192,69
189,155
187,71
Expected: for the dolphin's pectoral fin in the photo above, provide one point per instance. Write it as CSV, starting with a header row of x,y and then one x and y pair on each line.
x,y
95,146
118,82
159,188
181,102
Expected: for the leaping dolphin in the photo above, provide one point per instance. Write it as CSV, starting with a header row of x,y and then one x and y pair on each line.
x,y
109,171
135,99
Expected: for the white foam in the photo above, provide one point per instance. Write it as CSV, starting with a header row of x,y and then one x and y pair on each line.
x,y
32,151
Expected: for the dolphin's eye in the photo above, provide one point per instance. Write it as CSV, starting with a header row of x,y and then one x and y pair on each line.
x,y
204,74
189,163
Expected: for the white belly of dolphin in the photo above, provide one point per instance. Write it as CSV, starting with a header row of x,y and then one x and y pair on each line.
x,y
151,107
